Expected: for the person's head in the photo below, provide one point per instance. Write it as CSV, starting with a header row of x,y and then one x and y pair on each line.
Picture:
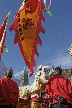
x,y
58,70
8,73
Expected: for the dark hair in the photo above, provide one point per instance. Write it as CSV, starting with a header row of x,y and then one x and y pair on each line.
x,y
9,73
58,70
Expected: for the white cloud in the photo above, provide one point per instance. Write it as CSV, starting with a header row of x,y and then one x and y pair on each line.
x,y
61,59
17,74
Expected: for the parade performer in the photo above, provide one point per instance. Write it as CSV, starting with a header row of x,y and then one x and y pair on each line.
x,y
38,88
59,90
8,90
24,97
36,93
31,96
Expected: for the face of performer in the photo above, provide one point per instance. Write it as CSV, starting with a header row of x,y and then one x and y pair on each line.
x,y
8,73
54,73
47,77
5,75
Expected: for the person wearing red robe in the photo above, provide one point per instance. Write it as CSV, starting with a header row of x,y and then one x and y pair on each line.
x,y
8,90
59,90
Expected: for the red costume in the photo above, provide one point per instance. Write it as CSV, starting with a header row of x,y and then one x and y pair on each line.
x,y
8,92
59,85
46,104
36,99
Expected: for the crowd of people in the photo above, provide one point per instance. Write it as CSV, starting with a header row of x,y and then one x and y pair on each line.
x,y
58,88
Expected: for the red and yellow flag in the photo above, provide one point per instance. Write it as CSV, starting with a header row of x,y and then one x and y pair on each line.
x,y
3,34
27,26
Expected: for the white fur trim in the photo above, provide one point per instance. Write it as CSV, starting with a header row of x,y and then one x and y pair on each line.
x,y
36,95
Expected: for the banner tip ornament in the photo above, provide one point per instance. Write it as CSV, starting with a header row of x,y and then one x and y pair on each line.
x,y
47,9
3,34
8,15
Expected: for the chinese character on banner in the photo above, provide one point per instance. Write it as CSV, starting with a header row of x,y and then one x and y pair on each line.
x,y
27,23
28,10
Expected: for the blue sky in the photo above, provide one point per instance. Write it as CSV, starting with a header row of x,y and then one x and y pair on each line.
x,y
14,58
